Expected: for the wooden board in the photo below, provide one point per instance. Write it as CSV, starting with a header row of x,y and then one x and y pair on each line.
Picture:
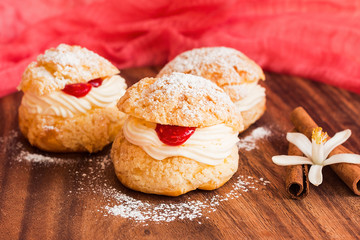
x,y
75,196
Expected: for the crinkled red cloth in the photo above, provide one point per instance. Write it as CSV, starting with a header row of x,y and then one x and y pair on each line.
x,y
319,40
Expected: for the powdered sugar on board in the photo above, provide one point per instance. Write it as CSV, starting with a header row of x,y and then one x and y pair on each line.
x,y
248,143
92,175
23,152
142,211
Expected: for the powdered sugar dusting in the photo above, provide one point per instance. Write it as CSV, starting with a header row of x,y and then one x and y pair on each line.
x,y
142,211
37,158
195,92
181,99
248,143
63,65
234,66
20,152
94,174
71,56
185,87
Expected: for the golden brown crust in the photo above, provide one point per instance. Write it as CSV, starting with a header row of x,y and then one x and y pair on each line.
x,y
182,100
172,176
238,93
228,68
64,65
222,65
85,132
252,115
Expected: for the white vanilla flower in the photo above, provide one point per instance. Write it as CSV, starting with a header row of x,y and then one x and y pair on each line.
x,y
316,152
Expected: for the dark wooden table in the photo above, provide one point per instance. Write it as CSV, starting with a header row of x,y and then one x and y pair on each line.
x,y
77,196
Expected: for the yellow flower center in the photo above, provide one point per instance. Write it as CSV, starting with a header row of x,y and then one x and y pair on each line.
x,y
319,136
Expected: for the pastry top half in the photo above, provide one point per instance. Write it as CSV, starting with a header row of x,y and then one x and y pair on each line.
x,y
64,65
222,64
230,69
182,100
61,83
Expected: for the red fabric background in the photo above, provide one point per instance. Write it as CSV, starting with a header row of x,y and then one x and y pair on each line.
x,y
319,40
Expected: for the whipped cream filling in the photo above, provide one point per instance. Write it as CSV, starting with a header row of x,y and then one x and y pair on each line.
x,y
253,94
209,145
64,105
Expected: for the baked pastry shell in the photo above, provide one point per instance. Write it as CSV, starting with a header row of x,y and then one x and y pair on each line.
x,y
252,115
172,176
64,65
143,100
223,73
88,132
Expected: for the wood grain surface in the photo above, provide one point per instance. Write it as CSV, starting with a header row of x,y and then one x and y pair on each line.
x,y
69,196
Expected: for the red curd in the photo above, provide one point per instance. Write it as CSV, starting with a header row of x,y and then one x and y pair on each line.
x,y
174,135
82,89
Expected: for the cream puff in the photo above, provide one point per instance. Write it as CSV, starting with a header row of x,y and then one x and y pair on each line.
x,y
69,101
231,70
180,135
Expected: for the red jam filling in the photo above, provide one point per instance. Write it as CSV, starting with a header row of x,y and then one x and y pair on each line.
x,y
96,82
174,135
82,89
77,89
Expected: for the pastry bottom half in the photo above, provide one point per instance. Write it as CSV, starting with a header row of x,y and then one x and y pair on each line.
x,y
252,115
172,176
88,132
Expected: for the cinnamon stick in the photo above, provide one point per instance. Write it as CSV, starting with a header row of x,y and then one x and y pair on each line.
x,y
348,173
296,182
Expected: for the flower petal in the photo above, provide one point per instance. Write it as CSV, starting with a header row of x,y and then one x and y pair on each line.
x,y
301,141
285,160
317,153
343,158
338,139
315,174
